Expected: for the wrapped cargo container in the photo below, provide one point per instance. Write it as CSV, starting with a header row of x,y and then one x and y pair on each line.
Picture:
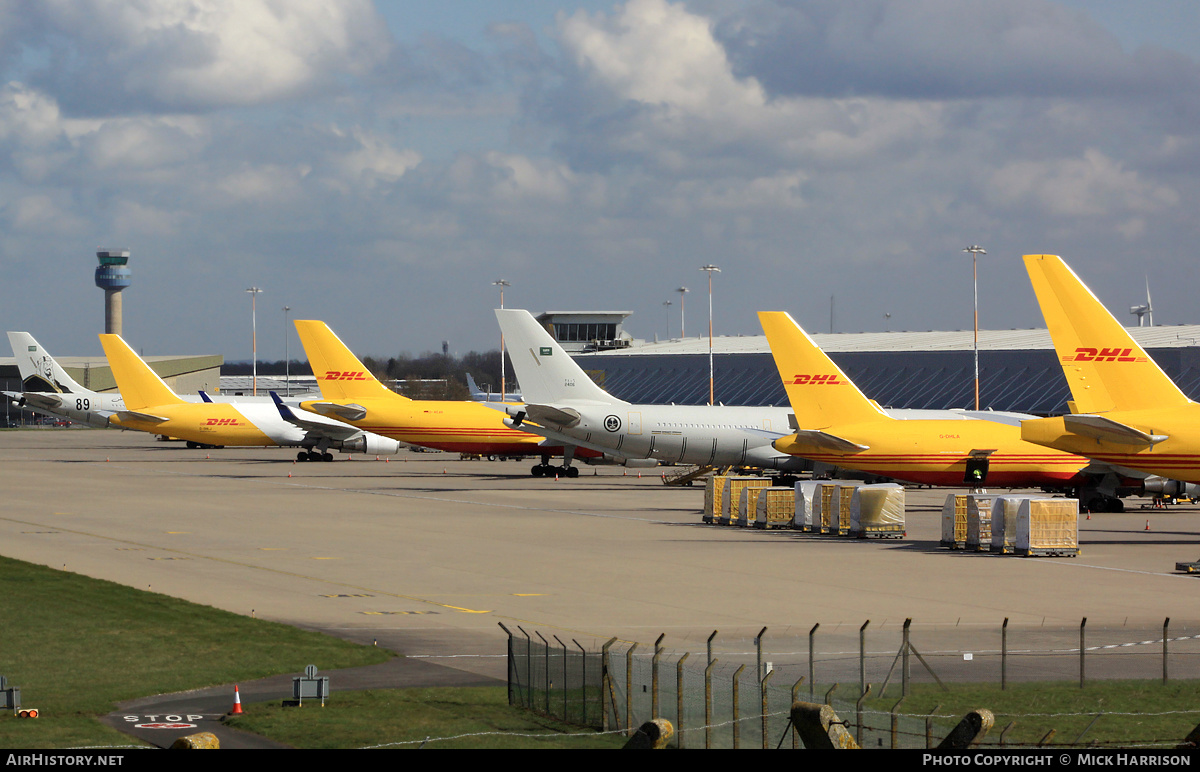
x,y
1048,526
840,522
714,491
732,496
776,508
954,518
808,496
747,506
979,522
878,510
1004,522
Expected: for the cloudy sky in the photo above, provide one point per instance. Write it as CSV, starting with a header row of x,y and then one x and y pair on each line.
x,y
379,165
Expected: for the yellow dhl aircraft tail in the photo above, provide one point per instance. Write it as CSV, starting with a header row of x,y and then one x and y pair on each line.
x,y
820,393
340,374
140,386
1105,369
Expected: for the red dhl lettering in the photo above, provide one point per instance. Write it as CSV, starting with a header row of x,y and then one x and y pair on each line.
x,y
816,380
335,375
222,422
1084,354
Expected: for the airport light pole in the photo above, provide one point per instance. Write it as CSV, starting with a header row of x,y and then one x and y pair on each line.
x,y
710,270
501,283
976,251
667,309
287,365
254,333
682,322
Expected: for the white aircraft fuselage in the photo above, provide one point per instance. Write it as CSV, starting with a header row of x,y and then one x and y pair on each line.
x,y
672,434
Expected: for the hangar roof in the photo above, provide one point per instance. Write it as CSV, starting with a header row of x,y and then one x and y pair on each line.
x,y
1160,337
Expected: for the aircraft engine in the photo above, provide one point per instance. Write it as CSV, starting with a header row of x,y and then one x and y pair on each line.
x,y
371,444
1161,486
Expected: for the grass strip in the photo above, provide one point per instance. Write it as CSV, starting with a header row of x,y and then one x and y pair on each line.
x,y
76,646
1130,712
458,717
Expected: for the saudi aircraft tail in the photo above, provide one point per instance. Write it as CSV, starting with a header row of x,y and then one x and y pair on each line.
x,y
548,375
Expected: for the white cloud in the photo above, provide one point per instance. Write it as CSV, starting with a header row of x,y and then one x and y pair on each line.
x,y
371,159
692,109
203,54
659,54
39,214
1093,185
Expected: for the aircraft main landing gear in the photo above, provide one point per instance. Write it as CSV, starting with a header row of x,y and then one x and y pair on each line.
x,y
544,469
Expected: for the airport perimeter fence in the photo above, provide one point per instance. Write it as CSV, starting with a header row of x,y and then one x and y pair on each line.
x,y
715,697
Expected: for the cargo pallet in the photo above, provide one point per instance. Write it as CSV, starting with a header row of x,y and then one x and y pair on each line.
x,y
1048,552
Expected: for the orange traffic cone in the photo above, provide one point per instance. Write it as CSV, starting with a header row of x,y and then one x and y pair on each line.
x,y
1147,525
237,702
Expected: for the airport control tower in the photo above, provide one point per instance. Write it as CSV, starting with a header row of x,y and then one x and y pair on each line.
x,y
112,276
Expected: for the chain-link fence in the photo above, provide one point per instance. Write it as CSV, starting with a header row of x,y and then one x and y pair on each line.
x,y
715,697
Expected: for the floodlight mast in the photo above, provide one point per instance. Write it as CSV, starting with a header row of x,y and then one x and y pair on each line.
x,y
976,251
501,283
710,270
254,333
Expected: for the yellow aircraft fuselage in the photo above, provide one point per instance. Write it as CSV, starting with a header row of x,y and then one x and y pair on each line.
x,y
460,427
937,452
205,423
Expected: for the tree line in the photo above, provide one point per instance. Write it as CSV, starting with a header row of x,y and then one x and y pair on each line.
x,y
428,376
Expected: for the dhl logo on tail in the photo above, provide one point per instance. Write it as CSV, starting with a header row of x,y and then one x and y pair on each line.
x,y
223,422
1085,354
816,380
335,375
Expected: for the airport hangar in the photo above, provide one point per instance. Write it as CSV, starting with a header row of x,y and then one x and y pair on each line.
x,y
1018,369
184,374
933,370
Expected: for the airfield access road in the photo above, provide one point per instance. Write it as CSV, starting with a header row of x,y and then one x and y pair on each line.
x,y
426,554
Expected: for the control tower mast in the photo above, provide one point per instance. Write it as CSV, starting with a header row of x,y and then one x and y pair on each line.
x,y
112,276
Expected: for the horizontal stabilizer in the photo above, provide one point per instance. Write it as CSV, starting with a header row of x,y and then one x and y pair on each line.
x,y
1108,430
814,439
345,412
43,400
564,418
136,416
